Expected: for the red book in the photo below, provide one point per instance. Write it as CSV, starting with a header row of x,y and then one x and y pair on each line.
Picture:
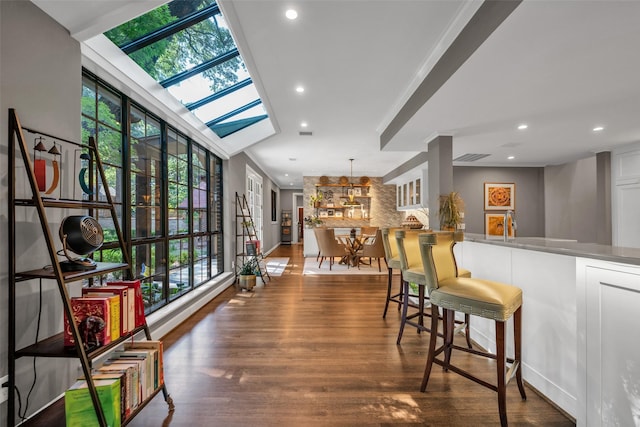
x,y
139,302
127,304
82,308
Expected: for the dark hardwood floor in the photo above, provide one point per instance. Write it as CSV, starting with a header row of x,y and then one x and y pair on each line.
x,y
315,351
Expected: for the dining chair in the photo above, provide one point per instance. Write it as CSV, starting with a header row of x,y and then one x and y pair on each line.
x,y
329,246
373,249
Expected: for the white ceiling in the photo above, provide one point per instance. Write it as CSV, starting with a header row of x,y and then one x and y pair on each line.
x,y
562,67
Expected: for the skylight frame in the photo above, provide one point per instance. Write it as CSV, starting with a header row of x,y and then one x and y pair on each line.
x,y
223,37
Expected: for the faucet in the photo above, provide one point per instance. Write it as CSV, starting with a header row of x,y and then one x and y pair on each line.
x,y
509,220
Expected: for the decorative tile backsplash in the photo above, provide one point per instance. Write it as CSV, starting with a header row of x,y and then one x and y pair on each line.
x,y
383,211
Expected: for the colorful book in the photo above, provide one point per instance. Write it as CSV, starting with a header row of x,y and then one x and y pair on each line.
x,y
114,312
147,370
127,371
132,367
152,345
122,377
127,304
139,302
79,409
83,308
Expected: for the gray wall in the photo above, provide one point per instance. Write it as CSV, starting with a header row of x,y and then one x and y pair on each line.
x,y
40,76
529,196
555,201
235,179
571,201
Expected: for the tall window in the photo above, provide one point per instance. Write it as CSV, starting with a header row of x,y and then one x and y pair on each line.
x,y
102,120
168,195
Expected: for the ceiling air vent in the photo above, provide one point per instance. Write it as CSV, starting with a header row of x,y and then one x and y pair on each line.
x,y
470,157
305,133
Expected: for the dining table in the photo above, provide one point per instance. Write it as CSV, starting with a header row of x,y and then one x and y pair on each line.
x,y
353,244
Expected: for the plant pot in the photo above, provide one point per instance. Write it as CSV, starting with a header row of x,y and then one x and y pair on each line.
x,y
246,281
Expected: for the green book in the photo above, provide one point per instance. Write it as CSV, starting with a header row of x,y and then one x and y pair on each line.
x,y
79,409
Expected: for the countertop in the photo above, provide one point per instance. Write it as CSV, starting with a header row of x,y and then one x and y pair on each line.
x,y
564,247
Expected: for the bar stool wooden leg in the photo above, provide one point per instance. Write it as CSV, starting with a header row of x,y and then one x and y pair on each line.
x,y
517,332
389,283
467,330
401,293
501,370
431,354
420,307
448,319
405,310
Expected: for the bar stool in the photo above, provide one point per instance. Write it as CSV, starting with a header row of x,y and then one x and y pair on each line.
x,y
393,262
409,253
484,298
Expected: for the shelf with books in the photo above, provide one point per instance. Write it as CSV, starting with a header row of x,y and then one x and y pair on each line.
x,y
120,329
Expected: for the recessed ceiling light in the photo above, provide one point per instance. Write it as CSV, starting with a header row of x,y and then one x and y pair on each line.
x,y
299,89
304,124
291,14
598,128
511,157
523,126
291,183
286,174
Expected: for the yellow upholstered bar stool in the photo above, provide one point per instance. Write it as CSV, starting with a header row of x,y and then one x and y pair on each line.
x,y
393,262
493,300
413,272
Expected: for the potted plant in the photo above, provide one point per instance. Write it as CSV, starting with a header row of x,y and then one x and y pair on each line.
x,y
247,274
316,199
450,213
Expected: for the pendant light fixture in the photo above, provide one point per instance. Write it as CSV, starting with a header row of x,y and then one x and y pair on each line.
x,y
351,193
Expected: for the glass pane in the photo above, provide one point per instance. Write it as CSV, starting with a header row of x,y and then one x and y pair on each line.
x,y
209,82
179,267
222,106
88,98
110,255
148,263
154,20
216,257
145,221
180,51
418,200
178,221
109,108
110,146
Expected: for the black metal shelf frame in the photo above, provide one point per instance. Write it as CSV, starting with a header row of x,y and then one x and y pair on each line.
x,y
53,346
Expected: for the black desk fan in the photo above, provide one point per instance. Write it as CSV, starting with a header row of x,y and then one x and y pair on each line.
x,y
82,235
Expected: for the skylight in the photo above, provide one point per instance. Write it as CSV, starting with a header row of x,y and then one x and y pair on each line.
x,y
186,46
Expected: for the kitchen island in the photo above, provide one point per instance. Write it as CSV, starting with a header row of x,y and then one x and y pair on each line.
x,y
580,311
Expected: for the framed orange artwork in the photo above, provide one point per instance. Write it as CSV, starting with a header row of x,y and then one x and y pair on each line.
x,y
494,226
499,196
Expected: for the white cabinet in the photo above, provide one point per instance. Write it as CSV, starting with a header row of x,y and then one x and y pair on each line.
x,y
609,350
625,206
411,191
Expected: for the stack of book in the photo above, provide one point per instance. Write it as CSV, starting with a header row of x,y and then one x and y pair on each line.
x,y
124,382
